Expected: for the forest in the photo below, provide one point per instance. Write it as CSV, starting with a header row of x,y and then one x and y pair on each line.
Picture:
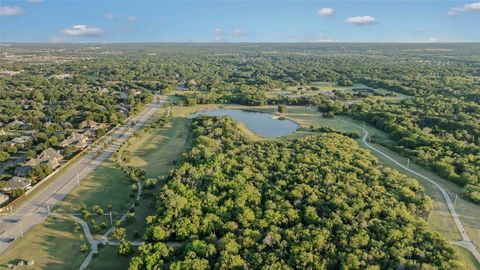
x,y
319,202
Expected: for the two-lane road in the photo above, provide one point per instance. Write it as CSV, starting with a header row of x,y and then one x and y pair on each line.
x,y
36,209
466,242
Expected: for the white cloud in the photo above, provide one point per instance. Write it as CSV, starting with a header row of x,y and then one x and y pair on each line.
x,y
467,7
239,32
434,39
83,30
111,16
34,1
131,18
218,32
326,12
361,20
10,10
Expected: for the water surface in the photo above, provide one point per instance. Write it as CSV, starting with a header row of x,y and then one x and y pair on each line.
x,y
263,124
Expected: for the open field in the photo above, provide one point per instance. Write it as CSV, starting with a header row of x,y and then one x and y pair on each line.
x,y
470,262
323,87
108,258
49,244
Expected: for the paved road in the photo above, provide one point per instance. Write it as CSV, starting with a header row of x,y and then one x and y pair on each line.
x,y
36,209
466,242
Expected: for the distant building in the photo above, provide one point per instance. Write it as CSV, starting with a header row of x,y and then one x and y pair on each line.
x,y
366,90
21,141
76,139
328,93
3,198
17,182
88,124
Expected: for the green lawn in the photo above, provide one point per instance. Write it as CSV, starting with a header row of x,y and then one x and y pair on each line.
x,y
107,258
53,244
106,185
470,262
155,153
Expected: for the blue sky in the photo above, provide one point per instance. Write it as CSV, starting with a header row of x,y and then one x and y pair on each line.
x,y
239,21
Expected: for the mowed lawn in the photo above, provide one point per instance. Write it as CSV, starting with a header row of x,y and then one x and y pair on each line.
x,y
50,245
156,153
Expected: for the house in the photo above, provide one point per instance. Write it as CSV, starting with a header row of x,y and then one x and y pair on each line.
x,y
49,156
363,90
19,124
21,141
88,124
89,133
76,139
328,93
3,198
17,183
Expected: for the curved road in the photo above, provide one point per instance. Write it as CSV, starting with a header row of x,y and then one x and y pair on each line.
x,y
466,242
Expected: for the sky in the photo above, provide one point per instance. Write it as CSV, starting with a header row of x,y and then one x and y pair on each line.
x,y
239,21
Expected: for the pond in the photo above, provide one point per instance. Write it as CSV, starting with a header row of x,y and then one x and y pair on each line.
x,y
263,124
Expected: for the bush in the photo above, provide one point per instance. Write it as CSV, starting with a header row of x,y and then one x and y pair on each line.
x,y
84,248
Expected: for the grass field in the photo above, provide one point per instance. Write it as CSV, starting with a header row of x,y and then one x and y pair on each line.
x,y
470,262
108,258
50,245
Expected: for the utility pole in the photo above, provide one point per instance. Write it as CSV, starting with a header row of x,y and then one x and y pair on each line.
x,y
78,181
455,203
11,210
111,220
48,209
408,162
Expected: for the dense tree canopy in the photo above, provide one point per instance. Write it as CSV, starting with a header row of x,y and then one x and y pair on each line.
x,y
320,202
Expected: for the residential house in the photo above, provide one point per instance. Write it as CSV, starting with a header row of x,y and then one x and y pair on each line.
x,y
21,141
49,156
3,198
363,90
17,183
89,133
88,124
76,139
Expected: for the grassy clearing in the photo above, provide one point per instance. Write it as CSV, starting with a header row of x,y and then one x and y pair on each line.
x,y
108,258
155,153
106,185
53,244
470,262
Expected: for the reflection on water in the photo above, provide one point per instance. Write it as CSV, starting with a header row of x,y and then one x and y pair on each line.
x,y
263,124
